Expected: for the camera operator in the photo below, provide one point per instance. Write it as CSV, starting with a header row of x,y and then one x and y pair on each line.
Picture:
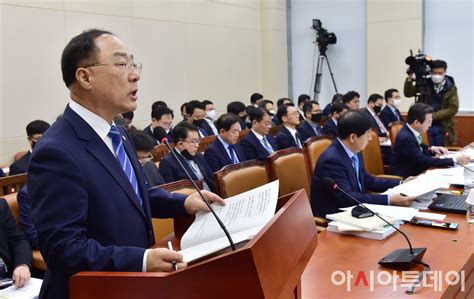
x,y
442,95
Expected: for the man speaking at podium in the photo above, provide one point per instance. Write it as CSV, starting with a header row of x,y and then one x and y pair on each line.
x,y
90,203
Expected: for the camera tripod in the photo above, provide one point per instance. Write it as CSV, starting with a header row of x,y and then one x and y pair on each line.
x,y
319,75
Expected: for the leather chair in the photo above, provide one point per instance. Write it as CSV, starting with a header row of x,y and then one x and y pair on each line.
x,y
159,152
313,148
237,178
12,183
37,262
274,130
18,155
205,141
289,166
394,129
373,160
242,134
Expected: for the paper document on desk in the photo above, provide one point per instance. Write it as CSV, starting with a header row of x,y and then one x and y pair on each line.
x,y
378,234
402,213
449,176
29,291
366,224
453,155
422,184
244,215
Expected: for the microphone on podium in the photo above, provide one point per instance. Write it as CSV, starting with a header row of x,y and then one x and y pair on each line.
x,y
400,258
159,133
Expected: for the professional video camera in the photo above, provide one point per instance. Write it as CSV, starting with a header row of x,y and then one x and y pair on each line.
x,y
419,65
324,38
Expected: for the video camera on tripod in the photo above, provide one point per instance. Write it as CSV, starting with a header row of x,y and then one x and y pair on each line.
x,y
419,65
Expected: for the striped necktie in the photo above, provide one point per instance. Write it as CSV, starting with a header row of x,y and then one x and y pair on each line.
x,y
123,159
355,163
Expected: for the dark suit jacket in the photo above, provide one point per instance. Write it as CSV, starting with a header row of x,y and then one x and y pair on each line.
x,y
284,139
408,159
253,149
24,204
327,110
216,155
85,209
374,123
335,163
207,127
172,172
14,248
387,116
2,174
21,165
330,128
306,131
152,175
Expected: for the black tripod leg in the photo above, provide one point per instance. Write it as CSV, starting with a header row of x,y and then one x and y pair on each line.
x,y
332,75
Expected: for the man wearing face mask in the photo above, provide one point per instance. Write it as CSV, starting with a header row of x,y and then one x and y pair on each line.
x,y
442,95
34,131
161,116
374,106
267,105
238,108
186,146
390,112
313,115
197,111
330,127
210,117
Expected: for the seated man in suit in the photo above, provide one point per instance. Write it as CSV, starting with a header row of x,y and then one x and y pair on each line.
x,y
186,146
330,127
343,162
197,111
255,99
390,112
239,109
225,150
161,116
310,126
280,102
409,155
144,144
302,99
337,98
352,100
267,105
210,115
14,249
34,131
89,200
259,144
374,106
288,136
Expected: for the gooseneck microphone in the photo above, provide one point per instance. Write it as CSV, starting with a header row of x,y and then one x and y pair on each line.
x,y
400,258
221,224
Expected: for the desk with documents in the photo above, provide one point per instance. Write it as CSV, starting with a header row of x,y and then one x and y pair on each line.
x,y
447,251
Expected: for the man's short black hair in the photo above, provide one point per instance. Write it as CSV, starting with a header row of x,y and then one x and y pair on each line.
x,y
180,132
207,102
308,106
225,121
438,64
158,104
374,98
264,103
183,106
282,100
257,114
418,112
338,108
128,115
389,93
350,96
193,105
353,122
337,98
79,52
143,142
255,97
37,127
160,111
282,111
303,98
235,107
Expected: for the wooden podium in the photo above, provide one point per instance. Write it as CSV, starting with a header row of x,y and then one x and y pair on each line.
x,y
268,266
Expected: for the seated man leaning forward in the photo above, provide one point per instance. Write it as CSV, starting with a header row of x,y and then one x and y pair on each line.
x,y
342,162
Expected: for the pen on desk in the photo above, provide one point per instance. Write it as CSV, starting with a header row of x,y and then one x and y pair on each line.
x,y
403,194
170,247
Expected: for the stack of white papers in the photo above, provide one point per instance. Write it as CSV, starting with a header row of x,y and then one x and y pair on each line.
x,y
29,291
378,234
453,155
422,184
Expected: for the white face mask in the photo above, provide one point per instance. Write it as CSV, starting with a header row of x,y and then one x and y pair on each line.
x,y
211,114
437,78
272,112
397,102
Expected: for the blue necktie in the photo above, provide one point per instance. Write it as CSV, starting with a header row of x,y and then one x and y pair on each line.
x,y
232,154
355,163
297,140
122,157
267,145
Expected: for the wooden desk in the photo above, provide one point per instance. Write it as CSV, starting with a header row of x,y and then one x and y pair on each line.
x,y
447,251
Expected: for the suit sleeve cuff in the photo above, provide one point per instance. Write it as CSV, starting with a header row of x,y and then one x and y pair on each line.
x,y
145,255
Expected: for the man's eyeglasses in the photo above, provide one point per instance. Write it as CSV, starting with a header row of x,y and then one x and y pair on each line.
x,y
124,66
195,141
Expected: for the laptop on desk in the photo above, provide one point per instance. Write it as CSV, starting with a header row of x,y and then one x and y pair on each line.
x,y
450,203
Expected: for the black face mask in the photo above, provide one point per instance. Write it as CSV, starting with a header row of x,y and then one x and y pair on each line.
x,y
187,155
199,122
377,109
316,117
